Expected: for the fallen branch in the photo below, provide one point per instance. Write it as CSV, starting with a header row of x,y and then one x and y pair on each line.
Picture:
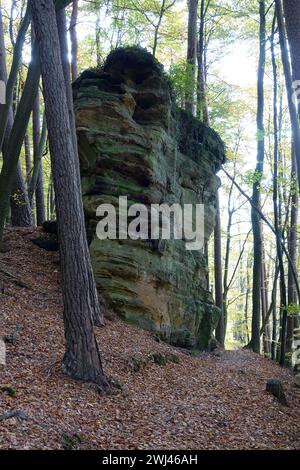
x,y
21,416
15,279
15,414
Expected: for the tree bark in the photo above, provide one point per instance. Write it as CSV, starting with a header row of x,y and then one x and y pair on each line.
x,y
289,85
21,214
17,55
82,358
20,208
201,101
74,42
16,138
292,247
191,55
220,331
283,306
256,222
292,22
28,162
62,31
37,159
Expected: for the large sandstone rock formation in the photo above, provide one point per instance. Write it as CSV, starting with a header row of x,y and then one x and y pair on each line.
x,y
134,141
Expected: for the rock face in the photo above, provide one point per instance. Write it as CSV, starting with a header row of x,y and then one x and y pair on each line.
x,y
135,142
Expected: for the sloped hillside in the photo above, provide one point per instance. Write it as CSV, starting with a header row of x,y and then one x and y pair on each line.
x,y
164,398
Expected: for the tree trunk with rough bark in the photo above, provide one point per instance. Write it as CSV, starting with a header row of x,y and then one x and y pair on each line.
x,y
191,55
39,184
74,42
292,22
82,358
256,222
220,330
289,85
21,215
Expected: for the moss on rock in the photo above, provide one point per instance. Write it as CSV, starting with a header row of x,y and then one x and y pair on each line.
x,y
134,141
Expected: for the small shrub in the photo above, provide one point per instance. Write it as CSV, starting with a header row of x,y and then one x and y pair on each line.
x,y
10,391
70,441
157,337
135,364
13,337
173,358
159,359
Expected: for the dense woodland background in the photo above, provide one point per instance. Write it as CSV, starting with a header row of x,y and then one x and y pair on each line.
x,y
254,256
235,65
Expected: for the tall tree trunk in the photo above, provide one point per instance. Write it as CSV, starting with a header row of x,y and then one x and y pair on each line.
x,y
16,138
157,26
274,318
292,21
28,163
21,215
97,39
289,85
248,292
11,82
264,305
22,115
191,55
292,15
256,222
74,42
20,208
226,262
283,307
62,31
201,98
82,358
37,158
220,331
292,247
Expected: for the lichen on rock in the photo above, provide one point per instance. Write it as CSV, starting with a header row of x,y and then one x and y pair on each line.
x,y
135,142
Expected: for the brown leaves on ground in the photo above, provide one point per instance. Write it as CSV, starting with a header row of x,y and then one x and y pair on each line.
x,y
206,402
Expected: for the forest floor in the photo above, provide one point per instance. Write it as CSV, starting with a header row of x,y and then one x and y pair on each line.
x,y
213,401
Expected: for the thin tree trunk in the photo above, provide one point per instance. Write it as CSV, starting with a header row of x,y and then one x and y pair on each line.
x,y
274,321
82,358
220,331
256,222
264,305
21,215
12,150
74,42
38,180
267,222
292,247
156,29
20,209
11,82
230,212
248,291
283,306
28,162
191,55
200,74
98,44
